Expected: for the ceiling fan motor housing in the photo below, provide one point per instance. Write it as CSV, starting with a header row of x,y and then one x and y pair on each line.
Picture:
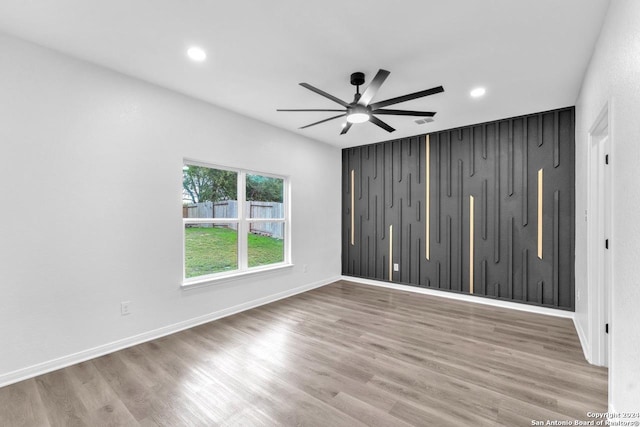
x,y
357,78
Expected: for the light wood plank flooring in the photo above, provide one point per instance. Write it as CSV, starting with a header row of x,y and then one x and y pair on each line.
x,y
342,355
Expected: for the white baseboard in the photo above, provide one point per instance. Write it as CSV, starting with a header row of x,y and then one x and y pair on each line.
x,y
584,342
82,356
463,297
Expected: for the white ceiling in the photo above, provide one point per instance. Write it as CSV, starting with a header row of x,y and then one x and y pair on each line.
x,y
530,54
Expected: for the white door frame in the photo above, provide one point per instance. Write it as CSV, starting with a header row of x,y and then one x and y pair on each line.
x,y
599,228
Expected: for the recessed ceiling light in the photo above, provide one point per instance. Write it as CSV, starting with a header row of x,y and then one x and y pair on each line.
x,y
196,54
478,92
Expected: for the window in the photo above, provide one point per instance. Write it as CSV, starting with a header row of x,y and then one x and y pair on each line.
x,y
235,222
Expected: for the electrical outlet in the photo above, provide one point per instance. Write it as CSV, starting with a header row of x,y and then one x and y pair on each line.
x,y
125,308
396,267
305,268
578,294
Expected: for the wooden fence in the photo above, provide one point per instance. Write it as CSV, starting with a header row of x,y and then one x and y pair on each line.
x,y
229,209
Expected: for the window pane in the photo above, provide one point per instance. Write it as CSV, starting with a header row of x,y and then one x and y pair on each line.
x,y
210,248
209,193
264,197
265,243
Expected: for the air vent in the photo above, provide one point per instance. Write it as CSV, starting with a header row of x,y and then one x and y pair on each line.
x,y
425,120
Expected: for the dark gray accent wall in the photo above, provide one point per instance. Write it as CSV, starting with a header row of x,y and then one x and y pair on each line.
x,y
497,163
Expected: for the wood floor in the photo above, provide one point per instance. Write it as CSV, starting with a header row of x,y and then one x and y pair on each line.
x,y
341,355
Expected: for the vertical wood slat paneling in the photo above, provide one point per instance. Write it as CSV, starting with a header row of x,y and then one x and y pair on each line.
x,y
471,243
540,211
418,159
394,172
383,182
408,256
368,265
483,276
418,263
525,172
362,267
525,274
346,212
472,153
540,135
449,166
556,140
399,173
427,212
510,160
460,217
353,204
391,253
375,161
541,292
375,238
383,213
484,213
510,258
398,239
448,254
361,236
438,188
484,142
360,174
496,196
556,246
368,198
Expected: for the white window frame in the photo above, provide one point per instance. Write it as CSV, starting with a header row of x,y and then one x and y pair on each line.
x,y
243,222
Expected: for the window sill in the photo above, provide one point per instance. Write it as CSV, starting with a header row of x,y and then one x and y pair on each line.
x,y
228,277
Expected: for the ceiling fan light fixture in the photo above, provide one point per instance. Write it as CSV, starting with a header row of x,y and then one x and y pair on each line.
x,y
358,114
358,117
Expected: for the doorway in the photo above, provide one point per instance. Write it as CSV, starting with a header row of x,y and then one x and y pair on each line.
x,y
599,241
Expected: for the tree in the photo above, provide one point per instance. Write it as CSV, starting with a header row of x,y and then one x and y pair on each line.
x,y
264,189
202,184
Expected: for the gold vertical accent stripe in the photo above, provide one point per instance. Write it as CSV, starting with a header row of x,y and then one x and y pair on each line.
x,y
427,205
391,253
540,213
471,241
353,205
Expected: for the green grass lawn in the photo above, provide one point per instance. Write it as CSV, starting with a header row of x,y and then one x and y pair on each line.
x,y
214,250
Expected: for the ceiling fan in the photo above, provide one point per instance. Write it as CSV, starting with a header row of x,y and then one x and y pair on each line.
x,y
362,110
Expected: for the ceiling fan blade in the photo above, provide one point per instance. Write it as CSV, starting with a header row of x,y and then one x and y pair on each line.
x,y
310,110
346,128
322,121
408,97
404,112
383,125
373,87
325,94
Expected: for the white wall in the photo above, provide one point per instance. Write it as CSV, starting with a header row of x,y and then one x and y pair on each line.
x,y
614,76
81,149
